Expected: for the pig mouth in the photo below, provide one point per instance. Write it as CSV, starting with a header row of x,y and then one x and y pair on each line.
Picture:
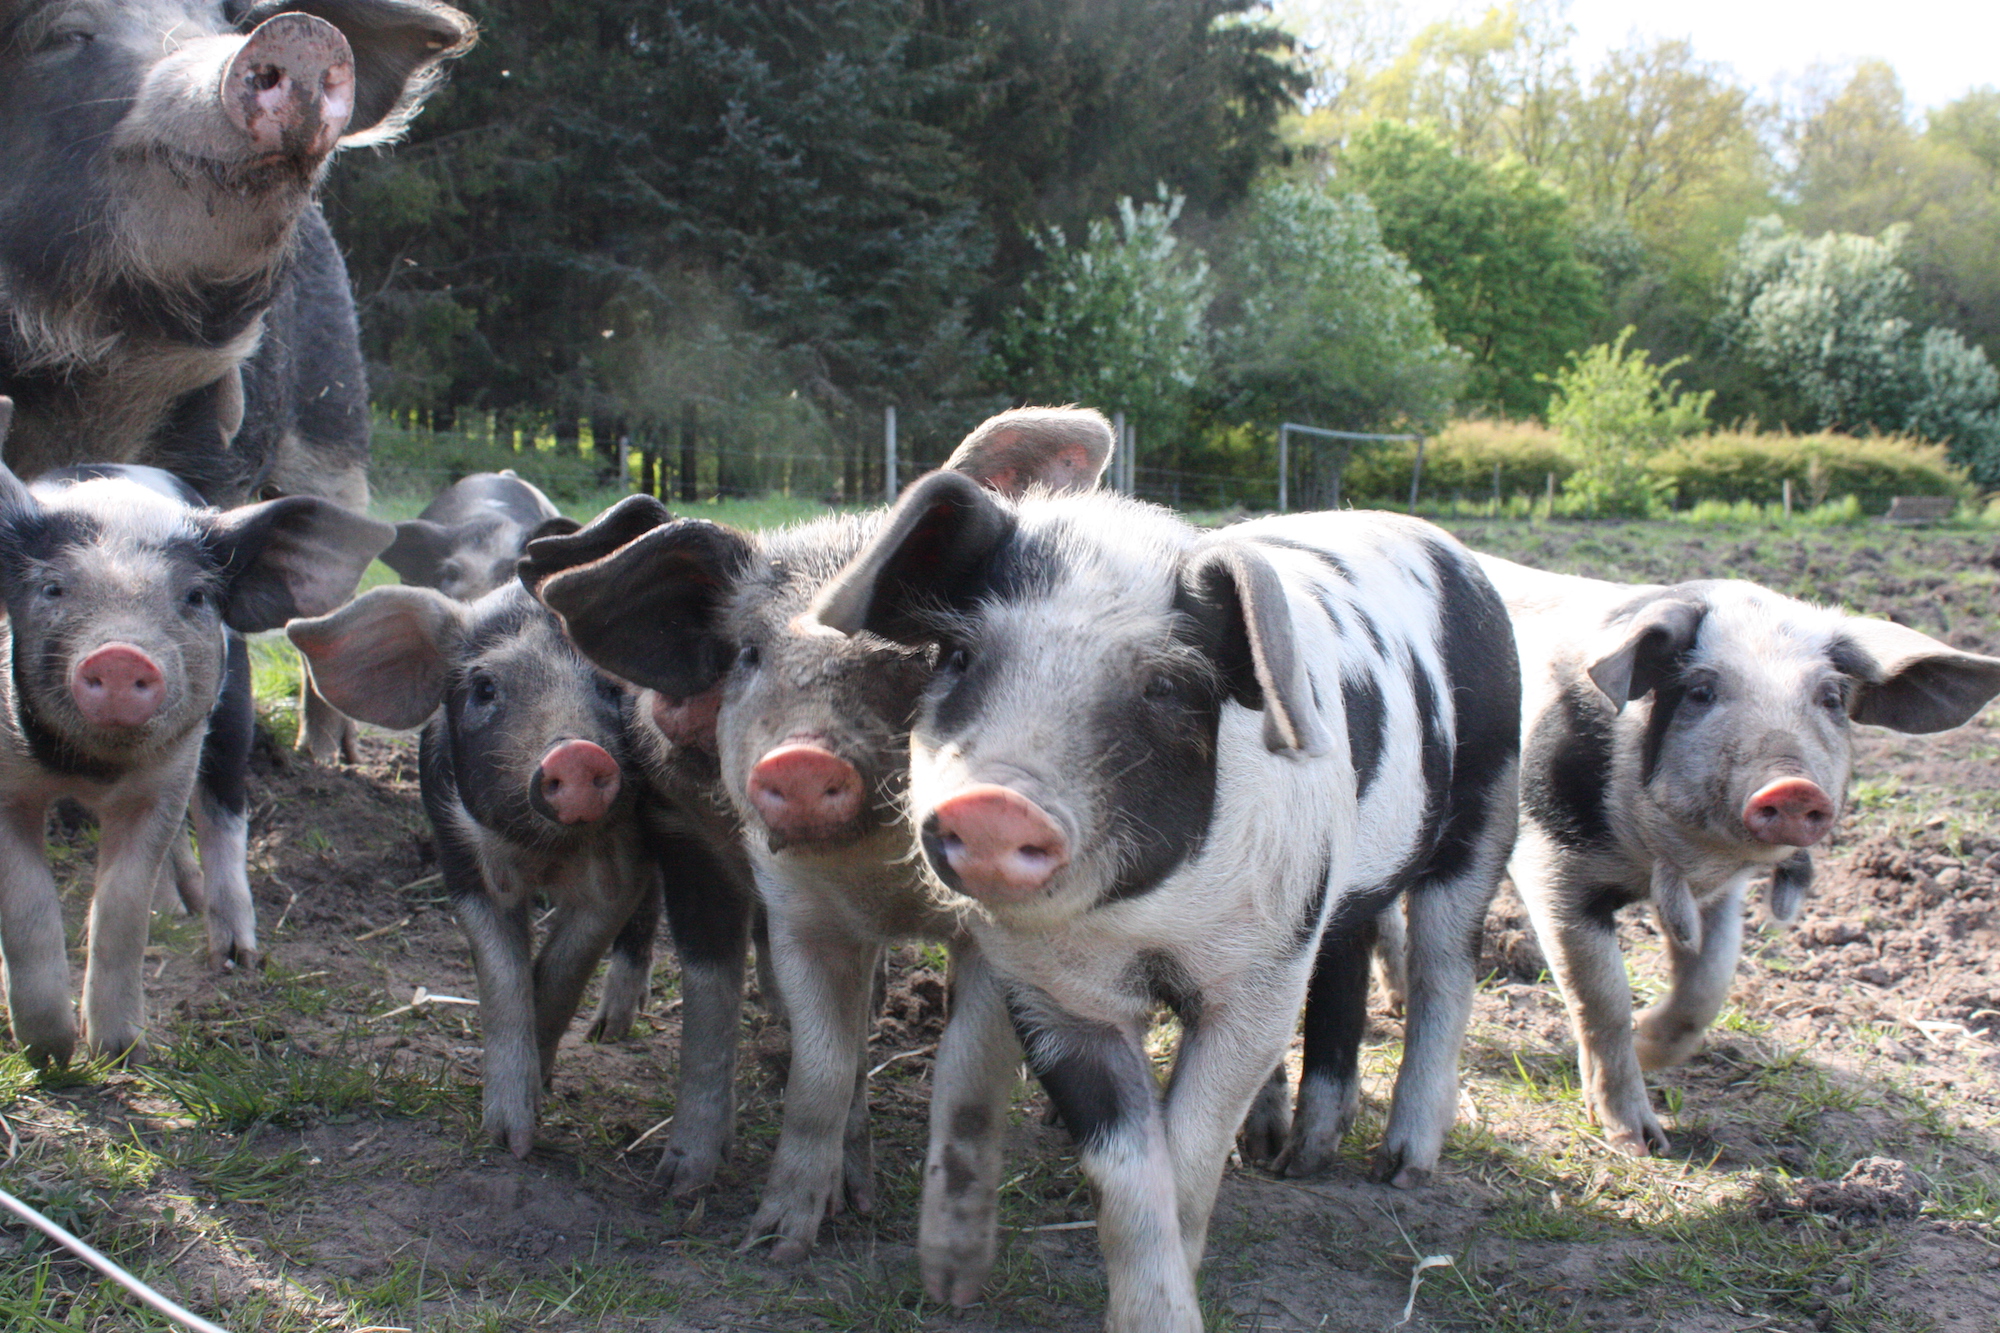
x,y
262,173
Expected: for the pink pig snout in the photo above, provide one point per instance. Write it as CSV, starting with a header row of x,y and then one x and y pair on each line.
x,y
1791,812
578,781
290,87
117,686
997,844
803,791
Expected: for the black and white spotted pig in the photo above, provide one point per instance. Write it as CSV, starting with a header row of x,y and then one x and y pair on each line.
x,y
1679,740
125,598
809,733
468,540
1152,765
527,775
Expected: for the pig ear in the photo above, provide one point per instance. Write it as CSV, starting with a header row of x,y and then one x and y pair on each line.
x,y
1235,595
559,526
398,48
1909,681
928,555
386,656
299,556
649,611
420,547
1062,448
1641,653
550,553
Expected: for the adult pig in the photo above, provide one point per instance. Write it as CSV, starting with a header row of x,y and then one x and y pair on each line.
x,y
526,774
468,540
1679,740
809,733
1150,767
122,591
169,293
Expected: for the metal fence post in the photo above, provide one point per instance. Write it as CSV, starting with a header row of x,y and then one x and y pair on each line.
x,y
889,452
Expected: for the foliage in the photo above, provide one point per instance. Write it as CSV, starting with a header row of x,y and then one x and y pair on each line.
x,y
1731,466
1496,249
1613,410
1462,460
1117,322
1325,325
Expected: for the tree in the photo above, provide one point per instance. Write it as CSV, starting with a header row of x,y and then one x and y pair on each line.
x,y
1324,324
1117,322
1496,250
1614,409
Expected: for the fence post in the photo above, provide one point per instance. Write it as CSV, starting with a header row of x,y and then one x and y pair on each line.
x,y
1130,449
1788,497
1416,474
1552,495
889,452
1284,466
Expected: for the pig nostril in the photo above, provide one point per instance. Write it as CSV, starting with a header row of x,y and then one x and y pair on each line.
x,y
264,78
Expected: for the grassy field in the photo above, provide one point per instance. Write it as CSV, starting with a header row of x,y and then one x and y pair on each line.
x,y
304,1152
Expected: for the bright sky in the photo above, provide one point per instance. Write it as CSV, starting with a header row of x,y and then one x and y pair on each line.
x,y
1940,49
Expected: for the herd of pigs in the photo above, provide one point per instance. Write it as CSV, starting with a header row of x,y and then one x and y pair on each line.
x,y
1111,761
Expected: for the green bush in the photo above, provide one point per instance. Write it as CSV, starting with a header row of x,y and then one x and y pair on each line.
x,y
1731,466
420,463
1459,462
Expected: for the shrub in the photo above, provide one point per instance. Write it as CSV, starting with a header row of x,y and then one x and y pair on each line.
x,y
1614,409
1730,466
1459,461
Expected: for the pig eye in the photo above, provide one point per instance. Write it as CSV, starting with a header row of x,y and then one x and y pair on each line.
x,y
52,590
749,657
197,598
1700,694
610,689
1832,697
1161,688
483,691
956,661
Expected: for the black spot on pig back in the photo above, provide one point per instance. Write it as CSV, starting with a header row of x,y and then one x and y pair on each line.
x,y
1565,767
1361,698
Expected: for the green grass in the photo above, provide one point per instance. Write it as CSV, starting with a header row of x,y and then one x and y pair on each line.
x,y
233,1087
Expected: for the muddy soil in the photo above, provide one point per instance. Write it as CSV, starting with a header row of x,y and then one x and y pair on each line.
x,y
1870,1030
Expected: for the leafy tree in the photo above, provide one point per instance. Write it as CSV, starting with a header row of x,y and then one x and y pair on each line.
x,y
1117,322
1496,249
1613,409
1324,323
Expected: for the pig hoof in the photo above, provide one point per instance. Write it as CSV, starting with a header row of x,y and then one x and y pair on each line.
x,y
682,1173
1392,1169
234,958
784,1249
957,1279
1303,1157
1645,1141
1267,1127
610,1027
127,1049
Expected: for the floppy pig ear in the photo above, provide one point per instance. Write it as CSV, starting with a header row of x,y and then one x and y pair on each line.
x,y
648,612
1235,594
384,657
398,46
420,547
928,553
1911,682
1062,448
1640,653
298,556
549,552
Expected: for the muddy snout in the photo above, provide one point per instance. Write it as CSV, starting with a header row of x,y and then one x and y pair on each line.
x,y
118,685
577,783
290,87
994,844
804,792
1791,812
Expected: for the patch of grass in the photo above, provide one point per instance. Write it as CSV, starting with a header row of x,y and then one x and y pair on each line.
x,y
234,1088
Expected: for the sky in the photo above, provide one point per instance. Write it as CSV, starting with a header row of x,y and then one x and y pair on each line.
x,y
1940,49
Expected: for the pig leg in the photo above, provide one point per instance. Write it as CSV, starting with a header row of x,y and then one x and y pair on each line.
x,y
1330,1074
221,819
1446,920
1392,956
1582,948
1103,1086
325,733
180,880
976,1060
768,993
1791,880
512,1067
710,920
31,938
1269,1124
1670,1031
132,845
579,934
827,977
630,975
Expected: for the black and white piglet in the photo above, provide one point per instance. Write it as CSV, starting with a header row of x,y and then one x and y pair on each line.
x,y
1151,767
1678,741
467,540
528,778
121,593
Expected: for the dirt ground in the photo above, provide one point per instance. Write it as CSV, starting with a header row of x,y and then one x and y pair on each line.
x,y
305,1151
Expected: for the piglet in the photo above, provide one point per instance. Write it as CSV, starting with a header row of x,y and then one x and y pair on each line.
x,y
467,540
123,597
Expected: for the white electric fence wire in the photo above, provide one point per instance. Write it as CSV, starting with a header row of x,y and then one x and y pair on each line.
x,y
186,1318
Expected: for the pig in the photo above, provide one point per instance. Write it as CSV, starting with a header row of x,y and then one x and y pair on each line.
x,y
527,774
169,292
807,733
1150,767
1679,740
126,599
468,540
